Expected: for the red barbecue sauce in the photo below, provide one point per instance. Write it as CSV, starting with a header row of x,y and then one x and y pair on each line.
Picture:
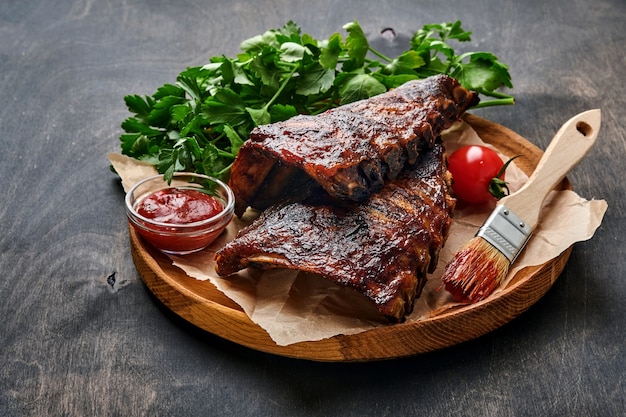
x,y
179,206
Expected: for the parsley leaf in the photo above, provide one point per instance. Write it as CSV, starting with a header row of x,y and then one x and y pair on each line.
x,y
199,122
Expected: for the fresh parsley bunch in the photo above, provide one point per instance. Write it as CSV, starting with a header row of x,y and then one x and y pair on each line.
x,y
200,122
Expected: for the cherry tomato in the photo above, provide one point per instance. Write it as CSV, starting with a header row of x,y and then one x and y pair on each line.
x,y
473,168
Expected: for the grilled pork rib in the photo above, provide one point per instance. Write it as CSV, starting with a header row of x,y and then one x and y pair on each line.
x,y
382,248
349,151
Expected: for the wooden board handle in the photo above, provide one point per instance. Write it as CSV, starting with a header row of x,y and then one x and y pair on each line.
x,y
568,147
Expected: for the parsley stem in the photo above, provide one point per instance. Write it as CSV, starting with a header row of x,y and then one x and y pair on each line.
x,y
378,54
223,171
507,101
496,94
280,89
225,154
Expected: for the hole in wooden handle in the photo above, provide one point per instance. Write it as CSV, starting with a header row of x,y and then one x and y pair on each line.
x,y
584,128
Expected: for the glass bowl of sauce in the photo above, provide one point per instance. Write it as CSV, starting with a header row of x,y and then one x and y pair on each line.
x,y
181,217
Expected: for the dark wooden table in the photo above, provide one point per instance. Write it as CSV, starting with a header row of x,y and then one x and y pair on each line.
x,y
81,335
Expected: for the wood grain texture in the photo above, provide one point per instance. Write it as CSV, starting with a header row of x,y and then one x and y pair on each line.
x,y
80,333
203,305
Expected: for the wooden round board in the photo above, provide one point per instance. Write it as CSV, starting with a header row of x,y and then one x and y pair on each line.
x,y
200,303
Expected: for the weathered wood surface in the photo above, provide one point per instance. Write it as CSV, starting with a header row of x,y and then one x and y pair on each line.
x,y
81,334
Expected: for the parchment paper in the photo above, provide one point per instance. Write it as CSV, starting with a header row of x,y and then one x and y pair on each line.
x,y
293,306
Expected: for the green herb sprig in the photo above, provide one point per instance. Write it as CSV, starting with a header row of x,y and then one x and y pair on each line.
x,y
200,122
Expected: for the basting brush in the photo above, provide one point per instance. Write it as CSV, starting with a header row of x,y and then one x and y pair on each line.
x,y
478,268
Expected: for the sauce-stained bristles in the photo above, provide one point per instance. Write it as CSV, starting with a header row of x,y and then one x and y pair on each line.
x,y
475,271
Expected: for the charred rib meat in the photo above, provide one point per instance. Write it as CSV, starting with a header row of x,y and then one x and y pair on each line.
x,y
349,151
382,248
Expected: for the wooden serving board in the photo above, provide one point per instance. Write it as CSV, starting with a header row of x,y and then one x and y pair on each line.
x,y
200,303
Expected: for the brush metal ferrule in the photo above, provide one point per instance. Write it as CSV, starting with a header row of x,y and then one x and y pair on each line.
x,y
506,231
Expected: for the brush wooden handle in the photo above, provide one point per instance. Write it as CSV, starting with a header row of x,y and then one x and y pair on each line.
x,y
570,144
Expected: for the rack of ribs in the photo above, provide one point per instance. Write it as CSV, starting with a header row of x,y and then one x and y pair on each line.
x,y
382,248
348,152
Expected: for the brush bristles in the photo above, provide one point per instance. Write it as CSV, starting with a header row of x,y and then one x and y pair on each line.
x,y
475,271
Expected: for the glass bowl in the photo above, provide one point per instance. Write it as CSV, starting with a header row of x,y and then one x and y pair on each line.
x,y
180,233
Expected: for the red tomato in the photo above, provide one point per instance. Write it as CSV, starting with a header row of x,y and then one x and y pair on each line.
x,y
473,168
